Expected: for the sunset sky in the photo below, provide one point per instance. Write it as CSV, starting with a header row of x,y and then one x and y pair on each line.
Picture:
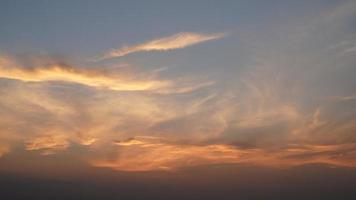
x,y
127,97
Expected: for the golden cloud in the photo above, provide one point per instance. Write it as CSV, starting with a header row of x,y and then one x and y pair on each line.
x,y
151,154
48,144
45,70
148,153
58,73
87,140
176,41
4,149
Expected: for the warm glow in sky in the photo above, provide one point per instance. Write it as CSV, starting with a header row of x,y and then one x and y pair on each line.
x,y
135,88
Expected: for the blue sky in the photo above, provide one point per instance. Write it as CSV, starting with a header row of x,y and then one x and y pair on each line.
x,y
87,27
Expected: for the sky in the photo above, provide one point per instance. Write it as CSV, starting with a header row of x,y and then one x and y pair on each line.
x,y
215,98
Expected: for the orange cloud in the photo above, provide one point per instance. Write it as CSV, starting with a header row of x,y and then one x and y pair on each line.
x,y
48,144
147,154
87,140
58,73
4,149
45,70
150,154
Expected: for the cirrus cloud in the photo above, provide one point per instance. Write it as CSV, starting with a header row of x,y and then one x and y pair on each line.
x,y
176,41
59,71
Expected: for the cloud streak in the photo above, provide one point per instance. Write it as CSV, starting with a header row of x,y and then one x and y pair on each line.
x,y
89,77
48,144
42,70
176,41
151,154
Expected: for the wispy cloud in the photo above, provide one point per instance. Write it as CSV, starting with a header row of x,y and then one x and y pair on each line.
x,y
350,50
176,41
67,73
48,144
147,154
343,98
273,112
102,78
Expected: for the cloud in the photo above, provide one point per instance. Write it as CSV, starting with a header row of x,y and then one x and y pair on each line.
x,y
48,144
176,41
45,69
343,98
237,124
149,154
90,77
350,50
152,154
87,140
266,110
4,149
